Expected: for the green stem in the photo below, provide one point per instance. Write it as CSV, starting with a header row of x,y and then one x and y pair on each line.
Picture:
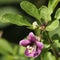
x,y
52,45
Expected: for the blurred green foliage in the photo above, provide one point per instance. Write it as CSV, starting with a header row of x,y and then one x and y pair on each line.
x,y
25,15
5,10
9,1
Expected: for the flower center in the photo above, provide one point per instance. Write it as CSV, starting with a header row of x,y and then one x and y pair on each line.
x,y
31,48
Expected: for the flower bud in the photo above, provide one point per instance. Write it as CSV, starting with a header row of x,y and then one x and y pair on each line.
x,y
35,25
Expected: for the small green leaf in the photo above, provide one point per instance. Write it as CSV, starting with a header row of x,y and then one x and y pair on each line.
x,y
54,32
15,19
57,43
52,4
30,9
44,13
48,56
53,25
57,15
5,46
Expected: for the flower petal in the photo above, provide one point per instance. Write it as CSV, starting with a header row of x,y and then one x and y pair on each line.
x,y
34,54
39,44
31,37
24,42
29,54
37,53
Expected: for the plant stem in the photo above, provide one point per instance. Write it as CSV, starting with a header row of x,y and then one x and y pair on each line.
x,y
52,45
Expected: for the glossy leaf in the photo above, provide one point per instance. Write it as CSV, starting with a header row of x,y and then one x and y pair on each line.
x,y
30,8
15,19
52,4
44,13
57,15
54,32
53,25
5,46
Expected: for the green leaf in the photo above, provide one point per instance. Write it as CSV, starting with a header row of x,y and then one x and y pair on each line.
x,y
15,19
5,46
5,10
57,15
53,25
52,4
57,43
54,32
48,56
30,9
44,13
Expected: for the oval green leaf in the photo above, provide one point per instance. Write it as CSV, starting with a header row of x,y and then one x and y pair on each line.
x,y
44,13
53,25
30,8
54,32
52,4
15,19
57,15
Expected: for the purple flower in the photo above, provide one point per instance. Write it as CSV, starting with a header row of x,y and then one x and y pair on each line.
x,y
33,46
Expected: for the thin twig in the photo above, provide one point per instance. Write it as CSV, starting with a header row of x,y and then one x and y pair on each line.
x,y
53,47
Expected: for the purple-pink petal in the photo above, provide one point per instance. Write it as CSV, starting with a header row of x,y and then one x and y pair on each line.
x,y
24,42
34,54
29,54
37,53
39,44
31,37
